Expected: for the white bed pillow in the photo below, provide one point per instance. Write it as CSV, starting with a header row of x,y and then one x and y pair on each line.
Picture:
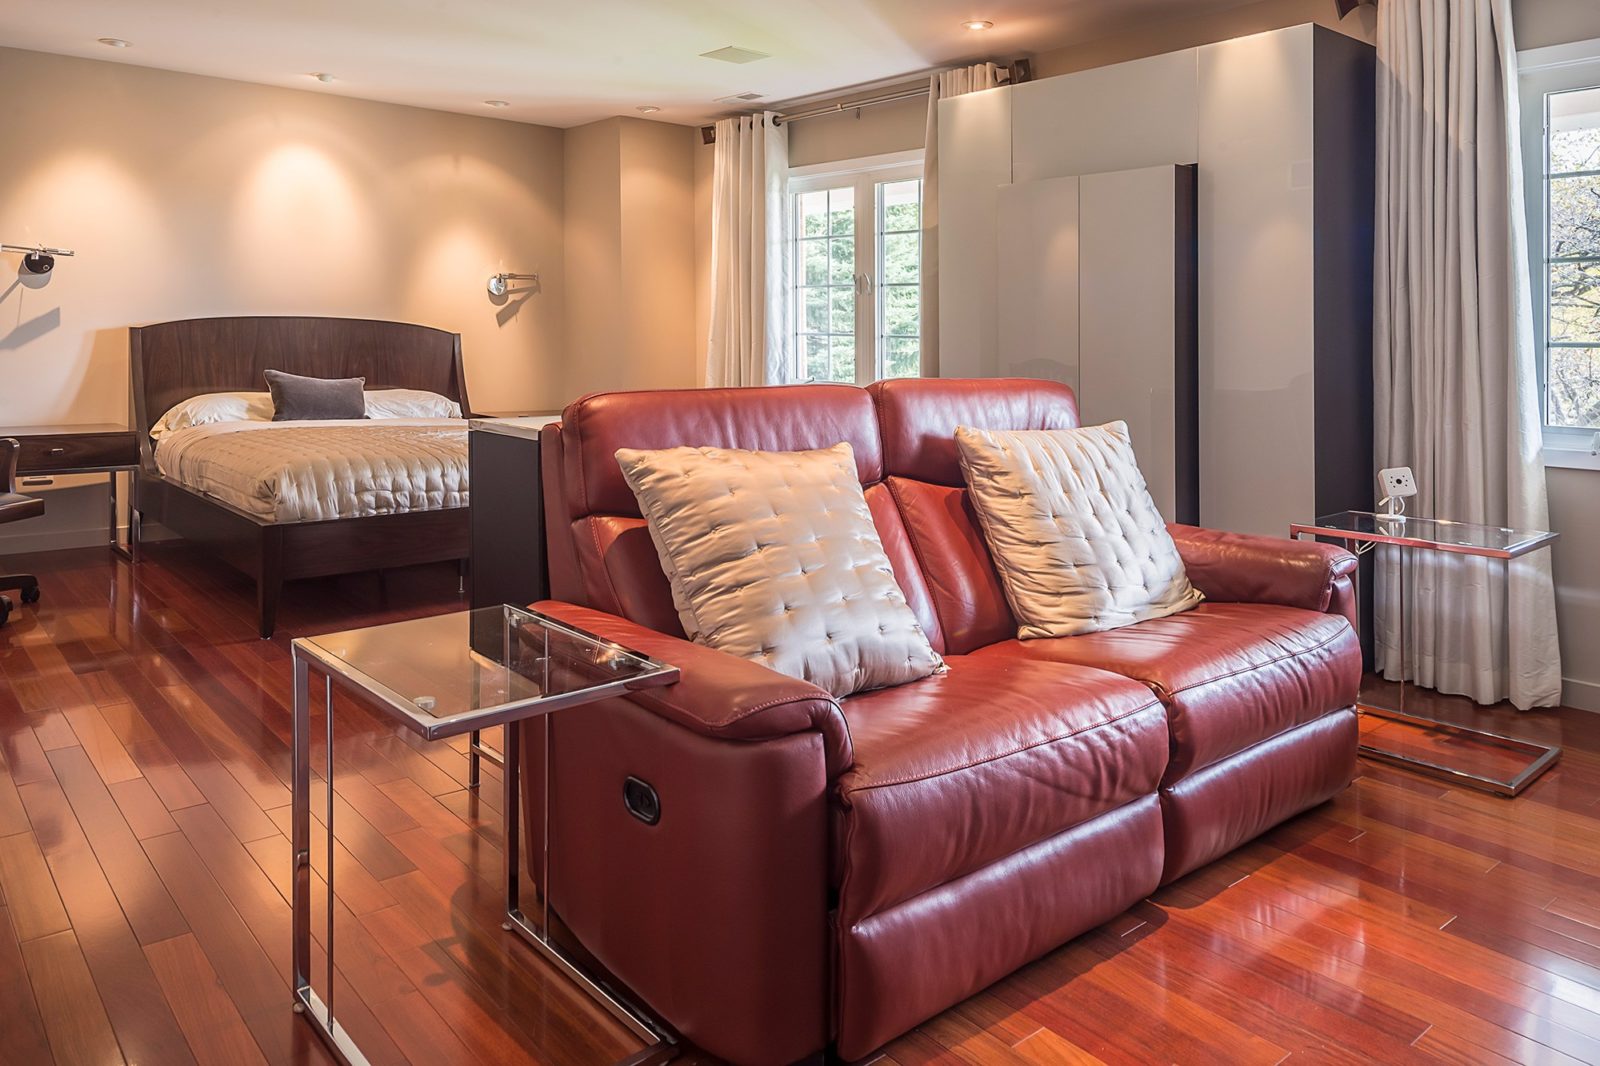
x,y
410,403
773,557
1075,535
212,407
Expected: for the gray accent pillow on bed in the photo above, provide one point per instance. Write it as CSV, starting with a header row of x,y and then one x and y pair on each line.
x,y
296,398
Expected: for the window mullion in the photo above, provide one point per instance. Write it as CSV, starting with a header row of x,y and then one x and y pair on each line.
x,y
867,268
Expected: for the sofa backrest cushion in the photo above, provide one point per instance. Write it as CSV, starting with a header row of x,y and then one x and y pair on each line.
x,y
963,586
918,418
787,418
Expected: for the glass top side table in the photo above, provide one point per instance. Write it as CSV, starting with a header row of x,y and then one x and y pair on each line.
x,y
442,677
1520,761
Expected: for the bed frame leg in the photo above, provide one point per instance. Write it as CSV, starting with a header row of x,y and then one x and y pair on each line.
x,y
461,583
269,582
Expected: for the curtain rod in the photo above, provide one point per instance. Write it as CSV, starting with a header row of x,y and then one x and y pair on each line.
x,y
1021,70
870,101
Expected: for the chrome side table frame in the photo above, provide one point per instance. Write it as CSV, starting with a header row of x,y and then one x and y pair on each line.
x,y
1404,533
318,1008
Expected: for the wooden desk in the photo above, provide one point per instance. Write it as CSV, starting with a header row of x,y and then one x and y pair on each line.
x,y
92,448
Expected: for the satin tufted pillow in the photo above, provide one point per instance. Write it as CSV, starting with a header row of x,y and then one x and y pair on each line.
x,y
773,557
1075,535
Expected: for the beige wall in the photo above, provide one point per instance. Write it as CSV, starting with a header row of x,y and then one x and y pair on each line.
x,y
1539,23
631,255
898,127
189,196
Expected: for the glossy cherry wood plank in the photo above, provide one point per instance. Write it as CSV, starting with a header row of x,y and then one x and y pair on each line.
x,y
99,741
143,810
31,897
144,898
74,1018
208,1017
133,1002
23,1030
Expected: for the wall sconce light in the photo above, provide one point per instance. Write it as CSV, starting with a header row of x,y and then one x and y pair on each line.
x,y
500,284
36,258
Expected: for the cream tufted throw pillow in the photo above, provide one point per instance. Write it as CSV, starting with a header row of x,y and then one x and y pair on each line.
x,y
773,557
1075,535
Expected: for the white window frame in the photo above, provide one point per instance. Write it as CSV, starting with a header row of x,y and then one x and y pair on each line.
x,y
1542,72
864,175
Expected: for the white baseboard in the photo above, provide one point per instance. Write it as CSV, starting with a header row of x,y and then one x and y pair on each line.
x,y
1584,695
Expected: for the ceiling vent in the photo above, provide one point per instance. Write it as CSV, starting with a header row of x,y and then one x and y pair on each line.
x,y
741,98
735,54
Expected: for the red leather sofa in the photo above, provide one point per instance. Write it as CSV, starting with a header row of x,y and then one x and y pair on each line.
x,y
824,875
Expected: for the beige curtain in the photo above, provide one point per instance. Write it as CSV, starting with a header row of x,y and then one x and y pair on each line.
x,y
1454,373
748,343
945,84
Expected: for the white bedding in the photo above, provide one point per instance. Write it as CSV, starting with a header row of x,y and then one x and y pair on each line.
x,y
316,470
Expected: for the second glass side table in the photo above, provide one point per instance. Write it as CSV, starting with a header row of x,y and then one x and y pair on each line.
x,y
441,677
1519,762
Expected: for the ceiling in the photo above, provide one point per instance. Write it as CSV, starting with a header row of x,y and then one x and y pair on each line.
x,y
566,64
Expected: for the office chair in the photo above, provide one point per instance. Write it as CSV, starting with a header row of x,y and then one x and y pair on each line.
x,y
15,508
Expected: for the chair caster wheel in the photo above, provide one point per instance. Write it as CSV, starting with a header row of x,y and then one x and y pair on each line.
x,y
30,595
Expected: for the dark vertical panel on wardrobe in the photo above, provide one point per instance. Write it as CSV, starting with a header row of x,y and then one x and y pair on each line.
x,y
1345,117
1186,341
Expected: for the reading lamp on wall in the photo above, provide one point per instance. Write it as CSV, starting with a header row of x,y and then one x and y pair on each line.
x,y
1344,7
499,284
36,258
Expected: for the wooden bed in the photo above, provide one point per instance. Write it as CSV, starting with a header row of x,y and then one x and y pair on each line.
x,y
172,361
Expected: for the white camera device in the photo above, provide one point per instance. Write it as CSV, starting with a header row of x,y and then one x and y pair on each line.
x,y
1396,483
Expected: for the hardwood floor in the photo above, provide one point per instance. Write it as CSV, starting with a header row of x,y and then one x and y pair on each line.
x,y
144,790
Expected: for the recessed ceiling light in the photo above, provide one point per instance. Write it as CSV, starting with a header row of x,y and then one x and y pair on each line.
x,y
112,42
978,24
734,54
647,109
497,103
320,76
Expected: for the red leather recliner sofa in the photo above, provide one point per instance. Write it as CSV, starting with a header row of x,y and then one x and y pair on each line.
x,y
826,874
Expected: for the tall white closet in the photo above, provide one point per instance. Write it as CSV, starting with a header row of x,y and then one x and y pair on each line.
x,y
1097,288
1279,128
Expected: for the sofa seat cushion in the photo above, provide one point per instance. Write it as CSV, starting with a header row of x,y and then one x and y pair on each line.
x,y
964,768
1230,674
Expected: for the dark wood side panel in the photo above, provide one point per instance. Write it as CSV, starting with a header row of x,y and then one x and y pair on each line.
x,y
316,549
508,535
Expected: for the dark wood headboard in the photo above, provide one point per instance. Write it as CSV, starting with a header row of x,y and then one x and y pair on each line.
x,y
173,361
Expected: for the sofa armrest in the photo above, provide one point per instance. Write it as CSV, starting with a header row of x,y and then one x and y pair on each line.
x,y
720,695
1241,568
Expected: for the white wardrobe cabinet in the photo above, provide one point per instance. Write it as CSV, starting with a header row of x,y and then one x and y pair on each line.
x,y
1096,288
1278,130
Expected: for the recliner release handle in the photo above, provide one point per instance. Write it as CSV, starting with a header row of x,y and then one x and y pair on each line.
x,y
642,800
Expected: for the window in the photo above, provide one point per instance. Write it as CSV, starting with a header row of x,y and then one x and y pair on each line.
x,y
1561,156
857,271
1572,259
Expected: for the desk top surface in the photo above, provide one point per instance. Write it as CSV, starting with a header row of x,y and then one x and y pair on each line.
x,y
82,429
